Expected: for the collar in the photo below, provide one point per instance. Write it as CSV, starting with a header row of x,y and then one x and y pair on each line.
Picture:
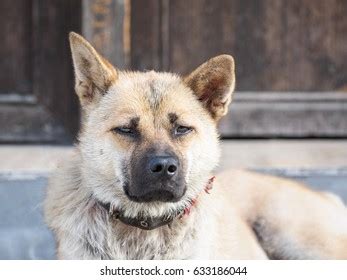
x,y
150,223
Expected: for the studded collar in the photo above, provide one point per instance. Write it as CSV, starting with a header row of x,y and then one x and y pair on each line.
x,y
142,222
150,223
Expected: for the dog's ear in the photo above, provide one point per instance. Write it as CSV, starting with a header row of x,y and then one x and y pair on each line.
x,y
93,73
213,82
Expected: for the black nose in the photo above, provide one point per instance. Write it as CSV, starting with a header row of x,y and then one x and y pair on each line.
x,y
163,166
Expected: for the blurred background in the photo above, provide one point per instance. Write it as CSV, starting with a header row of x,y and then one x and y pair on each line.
x,y
288,117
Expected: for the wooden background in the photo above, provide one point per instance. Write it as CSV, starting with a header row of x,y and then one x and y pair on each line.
x,y
36,77
291,60
278,45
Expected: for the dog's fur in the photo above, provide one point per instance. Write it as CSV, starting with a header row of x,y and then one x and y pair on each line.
x,y
245,216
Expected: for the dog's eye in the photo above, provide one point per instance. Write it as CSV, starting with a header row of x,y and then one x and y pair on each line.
x,y
128,131
182,130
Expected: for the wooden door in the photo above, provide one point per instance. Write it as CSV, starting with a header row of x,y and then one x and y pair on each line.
x,y
291,60
37,103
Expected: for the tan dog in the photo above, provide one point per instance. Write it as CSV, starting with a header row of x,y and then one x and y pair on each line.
x,y
139,183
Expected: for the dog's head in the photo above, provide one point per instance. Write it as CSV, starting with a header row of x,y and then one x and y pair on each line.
x,y
148,140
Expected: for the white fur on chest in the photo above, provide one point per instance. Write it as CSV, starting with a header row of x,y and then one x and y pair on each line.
x,y
181,240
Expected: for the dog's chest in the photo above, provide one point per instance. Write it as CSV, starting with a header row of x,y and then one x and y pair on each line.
x,y
162,243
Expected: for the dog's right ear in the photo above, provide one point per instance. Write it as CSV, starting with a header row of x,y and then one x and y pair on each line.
x,y
93,73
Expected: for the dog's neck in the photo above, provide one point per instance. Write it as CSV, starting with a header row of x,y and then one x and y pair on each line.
x,y
141,221
150,223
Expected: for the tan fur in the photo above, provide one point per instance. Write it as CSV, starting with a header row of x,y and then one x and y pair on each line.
x,y
246,215
214,82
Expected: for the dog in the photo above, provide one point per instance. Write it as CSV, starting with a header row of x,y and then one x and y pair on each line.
x,y
141,185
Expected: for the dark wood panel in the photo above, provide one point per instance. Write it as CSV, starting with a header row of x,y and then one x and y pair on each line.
x,y
304,45
146,44
15,47
53,73
36,61
278,45
199,29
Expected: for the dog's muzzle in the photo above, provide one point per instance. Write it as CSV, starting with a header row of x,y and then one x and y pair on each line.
x,y
156,177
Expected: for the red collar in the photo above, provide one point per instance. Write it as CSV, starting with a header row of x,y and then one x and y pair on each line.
x,y
207,189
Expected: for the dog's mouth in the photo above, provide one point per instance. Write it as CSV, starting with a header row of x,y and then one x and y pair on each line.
x,y
163,194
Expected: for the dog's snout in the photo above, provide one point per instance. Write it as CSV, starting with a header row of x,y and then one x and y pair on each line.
x,y
157,176
163,166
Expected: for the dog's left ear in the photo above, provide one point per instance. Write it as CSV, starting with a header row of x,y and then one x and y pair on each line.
x,y
213,82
